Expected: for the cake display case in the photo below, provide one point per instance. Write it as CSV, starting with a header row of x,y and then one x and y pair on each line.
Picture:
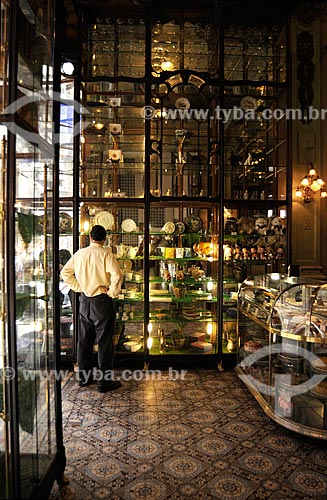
x,y
282,349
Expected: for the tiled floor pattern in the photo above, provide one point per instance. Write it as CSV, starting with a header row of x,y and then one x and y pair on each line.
x,y
201,438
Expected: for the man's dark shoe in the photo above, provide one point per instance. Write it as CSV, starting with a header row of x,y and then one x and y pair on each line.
x,y
111,385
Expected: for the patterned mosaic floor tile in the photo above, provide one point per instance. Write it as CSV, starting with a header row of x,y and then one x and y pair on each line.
x,y
214,445
183,467
281,442
144,488
310,482
144,449
105,469
258,463
228,486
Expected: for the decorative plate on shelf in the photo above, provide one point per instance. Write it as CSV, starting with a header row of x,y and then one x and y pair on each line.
x,y
105,219
182,103
65,222
125,264
169,228
248,102
180,227
128,226
193,223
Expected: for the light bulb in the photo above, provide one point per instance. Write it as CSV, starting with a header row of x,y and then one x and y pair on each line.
x,y
209,328
315,186
298,193
68,68
149,342
312,171
167,65
99,126
305,181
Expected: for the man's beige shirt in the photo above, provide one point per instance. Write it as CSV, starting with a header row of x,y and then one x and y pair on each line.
x,y
93,270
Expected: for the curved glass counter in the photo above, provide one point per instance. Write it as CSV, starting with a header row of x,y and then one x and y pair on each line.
x,y
282,349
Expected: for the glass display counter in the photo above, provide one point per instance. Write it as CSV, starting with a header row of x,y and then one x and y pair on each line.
x,y
282,351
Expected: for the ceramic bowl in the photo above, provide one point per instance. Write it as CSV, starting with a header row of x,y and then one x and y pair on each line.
x,y
132,346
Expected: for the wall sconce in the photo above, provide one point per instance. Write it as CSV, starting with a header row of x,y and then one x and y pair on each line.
x,y
310,185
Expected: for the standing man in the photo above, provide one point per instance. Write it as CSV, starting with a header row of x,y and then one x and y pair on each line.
x,y
94,272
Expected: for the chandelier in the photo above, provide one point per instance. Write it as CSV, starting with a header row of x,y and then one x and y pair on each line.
x,y
310,185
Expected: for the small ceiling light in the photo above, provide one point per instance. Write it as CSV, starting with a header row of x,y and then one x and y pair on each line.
x,y
310,185
67,68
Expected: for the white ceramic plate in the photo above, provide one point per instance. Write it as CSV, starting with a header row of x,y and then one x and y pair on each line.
x,y
128,226
169,228
65,222
105,219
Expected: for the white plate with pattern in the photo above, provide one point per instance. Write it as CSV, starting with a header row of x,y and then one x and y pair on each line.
x,y
128,226
105,219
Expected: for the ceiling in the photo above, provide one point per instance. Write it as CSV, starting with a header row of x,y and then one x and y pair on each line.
x,y
234,11
238,12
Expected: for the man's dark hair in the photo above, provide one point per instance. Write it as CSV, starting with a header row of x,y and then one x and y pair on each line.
x,y
98,233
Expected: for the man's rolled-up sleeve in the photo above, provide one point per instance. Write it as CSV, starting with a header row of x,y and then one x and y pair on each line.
x,y
68,276
116,277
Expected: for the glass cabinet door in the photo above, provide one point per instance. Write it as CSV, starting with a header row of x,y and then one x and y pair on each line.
x,y
66,296
112,147
183,278
30,421
34,314
4,421
183,133
124,224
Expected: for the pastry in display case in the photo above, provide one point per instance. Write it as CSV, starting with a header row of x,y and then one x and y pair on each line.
x,y
282,351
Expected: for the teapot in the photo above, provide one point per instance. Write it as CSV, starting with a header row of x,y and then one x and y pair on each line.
x,y
121,250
